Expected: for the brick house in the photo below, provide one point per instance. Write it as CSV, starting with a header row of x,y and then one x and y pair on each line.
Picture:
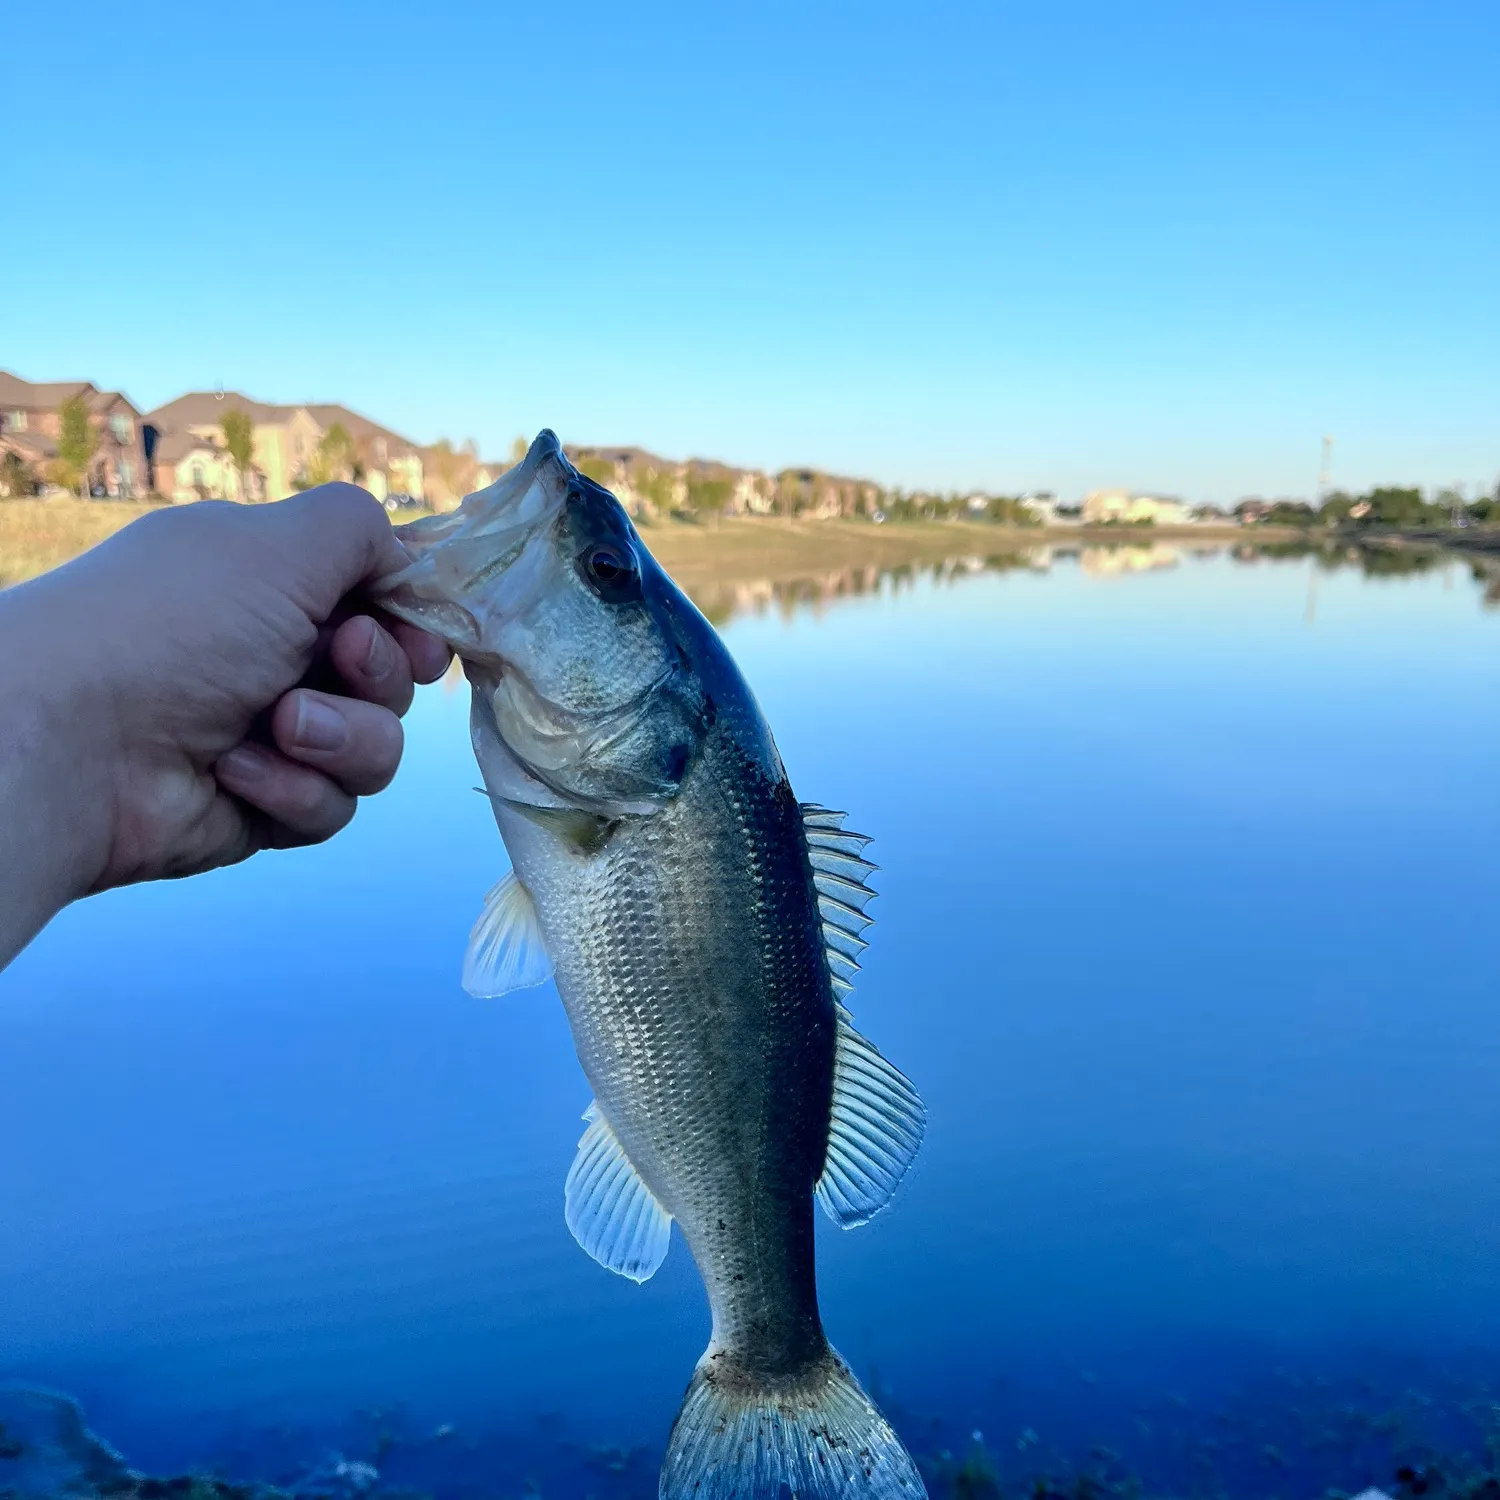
x,y
186,467
285,443
31,424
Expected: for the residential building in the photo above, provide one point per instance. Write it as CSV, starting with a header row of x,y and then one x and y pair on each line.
x,y
1114,507
1041,506
287,445
187,467
31,424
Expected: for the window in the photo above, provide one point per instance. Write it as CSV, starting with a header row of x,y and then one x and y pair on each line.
x,y
119,424
16,421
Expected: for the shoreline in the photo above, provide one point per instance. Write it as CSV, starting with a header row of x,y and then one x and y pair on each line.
x,y
37,535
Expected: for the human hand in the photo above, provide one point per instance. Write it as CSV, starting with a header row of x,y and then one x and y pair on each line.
x,y
206,684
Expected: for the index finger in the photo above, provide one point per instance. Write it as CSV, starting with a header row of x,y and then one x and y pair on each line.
x,y
429,657
337,537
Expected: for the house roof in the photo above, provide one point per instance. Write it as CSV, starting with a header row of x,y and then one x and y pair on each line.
x,y
360,428
34,447
207,408
36,396
32,395
176,445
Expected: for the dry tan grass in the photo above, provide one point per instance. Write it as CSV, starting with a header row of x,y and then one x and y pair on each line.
x,y
36,535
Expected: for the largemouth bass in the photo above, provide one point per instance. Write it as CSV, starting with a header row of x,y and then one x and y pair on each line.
x,y
703,928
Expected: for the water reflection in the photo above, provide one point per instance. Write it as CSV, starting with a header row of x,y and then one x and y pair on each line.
x,y
1185,933
726,599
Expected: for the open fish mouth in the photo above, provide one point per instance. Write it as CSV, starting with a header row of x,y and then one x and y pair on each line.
x,y
477,565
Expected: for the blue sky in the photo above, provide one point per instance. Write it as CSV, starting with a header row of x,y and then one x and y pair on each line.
x,y
1053,246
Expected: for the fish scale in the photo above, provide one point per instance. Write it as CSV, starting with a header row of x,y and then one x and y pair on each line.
x,y
703,1015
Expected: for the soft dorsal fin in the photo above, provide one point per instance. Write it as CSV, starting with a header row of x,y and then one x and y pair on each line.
x,y
876,1130
506,951
611,1212
878,1118
839,871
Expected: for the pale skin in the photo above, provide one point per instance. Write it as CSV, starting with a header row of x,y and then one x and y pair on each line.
x,y
204,685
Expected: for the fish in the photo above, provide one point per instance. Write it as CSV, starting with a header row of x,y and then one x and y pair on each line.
x,y
704,928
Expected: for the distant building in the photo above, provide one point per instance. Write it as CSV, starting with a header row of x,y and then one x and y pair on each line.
x,y
1041,506
187,467
287,446
31,424
754,495
1121,507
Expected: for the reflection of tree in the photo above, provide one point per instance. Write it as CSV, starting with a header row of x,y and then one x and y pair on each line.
x,y
724,600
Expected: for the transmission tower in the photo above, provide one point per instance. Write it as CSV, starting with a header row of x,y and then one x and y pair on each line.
x,y
1324,468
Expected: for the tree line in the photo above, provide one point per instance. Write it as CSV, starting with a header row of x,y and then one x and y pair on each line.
x,y
1394,506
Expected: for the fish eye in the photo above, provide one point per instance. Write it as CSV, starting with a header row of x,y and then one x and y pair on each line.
x,y
610,570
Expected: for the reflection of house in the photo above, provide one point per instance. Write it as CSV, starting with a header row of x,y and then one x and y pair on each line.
x,y
31,424
288,446
1117,561
1113,507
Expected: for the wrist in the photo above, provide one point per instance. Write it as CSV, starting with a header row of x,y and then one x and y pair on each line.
x,y
54,748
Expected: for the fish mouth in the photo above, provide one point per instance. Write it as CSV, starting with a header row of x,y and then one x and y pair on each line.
x,y
464,565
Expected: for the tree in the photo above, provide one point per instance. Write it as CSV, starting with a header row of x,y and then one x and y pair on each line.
x,y
708,494
76,445
1393,505
239,439
16,477
1336,507
336,457
600,470
1290,513
518,450
454,468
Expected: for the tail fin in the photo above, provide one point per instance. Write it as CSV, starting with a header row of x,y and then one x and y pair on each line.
x,y
740,1438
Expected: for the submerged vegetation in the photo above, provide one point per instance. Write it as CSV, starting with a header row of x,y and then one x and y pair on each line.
x,y
1405,1427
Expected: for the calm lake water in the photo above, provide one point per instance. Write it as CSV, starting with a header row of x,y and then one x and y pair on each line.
x,y
1187,932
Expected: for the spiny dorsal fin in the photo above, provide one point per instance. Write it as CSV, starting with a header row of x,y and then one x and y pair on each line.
x,y
839,871
611,1212
876,1130
506,951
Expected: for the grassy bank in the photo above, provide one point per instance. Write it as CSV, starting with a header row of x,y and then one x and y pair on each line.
x,y
36,535
724,552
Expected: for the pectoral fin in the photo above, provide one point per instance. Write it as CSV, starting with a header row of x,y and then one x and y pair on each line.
x,y
506,951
